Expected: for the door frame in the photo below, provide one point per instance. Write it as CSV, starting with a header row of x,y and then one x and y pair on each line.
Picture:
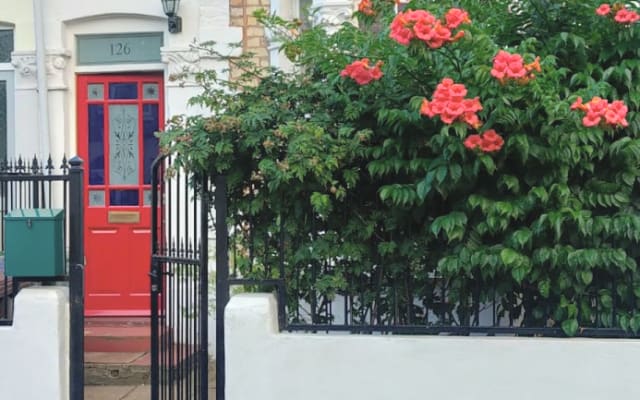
x,y
8,76
83,80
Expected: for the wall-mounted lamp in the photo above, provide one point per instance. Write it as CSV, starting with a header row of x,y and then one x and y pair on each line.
x,y
170,8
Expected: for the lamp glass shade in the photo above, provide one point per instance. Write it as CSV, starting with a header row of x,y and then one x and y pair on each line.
x,y
170,7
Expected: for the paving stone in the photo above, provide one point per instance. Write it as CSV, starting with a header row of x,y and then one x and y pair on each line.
x,y
116,374
107,392
142,392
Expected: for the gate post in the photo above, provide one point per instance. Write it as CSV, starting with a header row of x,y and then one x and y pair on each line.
x,y
76,279
156,282
204,288
222,278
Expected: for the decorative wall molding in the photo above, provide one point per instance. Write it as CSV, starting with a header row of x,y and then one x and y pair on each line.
x,y
186,62
24,63
332,14
25,66
57,61
181,61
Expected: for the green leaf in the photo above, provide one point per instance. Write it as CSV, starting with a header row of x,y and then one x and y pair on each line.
x,y
424,186
634,324
586,276
488,163
570,327
386,248
455,171
441,173
519,273
624,321
606,301
509,257
541,193
544,287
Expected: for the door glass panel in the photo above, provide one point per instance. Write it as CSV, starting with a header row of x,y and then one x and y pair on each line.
x,y
123,91
96,144
150,91
95,91
146,197
124,197
150,126
123,144
3,120
6,45
96,198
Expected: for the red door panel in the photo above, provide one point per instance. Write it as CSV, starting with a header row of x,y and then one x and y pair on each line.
x,y
117,118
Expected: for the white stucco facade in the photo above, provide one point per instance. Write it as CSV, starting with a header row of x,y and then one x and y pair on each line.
x,y
63,20
263,363
35,349
203,20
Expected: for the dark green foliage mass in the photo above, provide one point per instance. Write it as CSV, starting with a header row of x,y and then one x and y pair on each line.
x,y
390,206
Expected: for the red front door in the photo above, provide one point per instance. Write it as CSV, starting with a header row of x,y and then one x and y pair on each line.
x,y
117,118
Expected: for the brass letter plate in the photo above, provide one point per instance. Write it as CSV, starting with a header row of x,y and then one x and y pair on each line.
x,y
124,217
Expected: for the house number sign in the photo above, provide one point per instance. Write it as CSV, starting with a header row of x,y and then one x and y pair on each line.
x,y
119,48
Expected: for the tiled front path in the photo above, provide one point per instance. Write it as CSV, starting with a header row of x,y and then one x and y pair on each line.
x,y
141,392
137,392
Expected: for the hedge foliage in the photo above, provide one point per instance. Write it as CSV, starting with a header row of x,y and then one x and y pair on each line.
x,y
386,191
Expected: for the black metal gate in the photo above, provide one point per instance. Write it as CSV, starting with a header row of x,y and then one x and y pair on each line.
x,y
179,284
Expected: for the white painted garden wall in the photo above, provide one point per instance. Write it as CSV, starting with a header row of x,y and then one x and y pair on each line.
x,y
262,363
35,349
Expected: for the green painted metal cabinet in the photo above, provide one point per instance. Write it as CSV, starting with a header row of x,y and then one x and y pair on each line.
x,y
34,243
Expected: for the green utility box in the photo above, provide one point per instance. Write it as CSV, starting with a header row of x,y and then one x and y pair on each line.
x,y
34,243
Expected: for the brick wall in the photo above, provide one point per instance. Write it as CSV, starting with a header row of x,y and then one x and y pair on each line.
x,y
253,35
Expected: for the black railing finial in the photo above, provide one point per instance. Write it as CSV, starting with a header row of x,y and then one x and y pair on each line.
x,y
49,166
20,165
34,165
65,164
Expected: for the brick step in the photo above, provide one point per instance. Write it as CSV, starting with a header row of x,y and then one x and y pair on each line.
x,y
116,321
117,339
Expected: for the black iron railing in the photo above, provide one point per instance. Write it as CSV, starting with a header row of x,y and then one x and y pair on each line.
x,y
43,184
179,284
33,184
384,299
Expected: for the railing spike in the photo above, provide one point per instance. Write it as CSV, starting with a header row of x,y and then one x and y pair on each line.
x,y
65,164
34,165
19,166
49,166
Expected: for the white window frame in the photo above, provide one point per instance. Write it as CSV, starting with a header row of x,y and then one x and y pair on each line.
x,y
7,74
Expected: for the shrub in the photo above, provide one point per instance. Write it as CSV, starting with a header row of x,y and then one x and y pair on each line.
x,y
439,141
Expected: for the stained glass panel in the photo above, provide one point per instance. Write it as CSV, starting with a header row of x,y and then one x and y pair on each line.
x,y
123,91
150,126
124,197
150,91
95,91
146,197
123,144
6,45
96,198
3,120
96,144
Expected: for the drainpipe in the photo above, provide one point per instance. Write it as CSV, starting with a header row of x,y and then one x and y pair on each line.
x,y
41,76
